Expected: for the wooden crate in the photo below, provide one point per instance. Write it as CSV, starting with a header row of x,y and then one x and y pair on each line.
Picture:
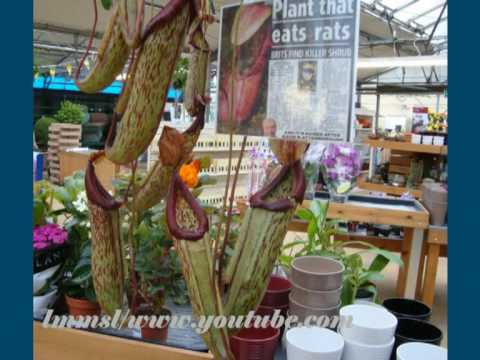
x,y
73,161
61,137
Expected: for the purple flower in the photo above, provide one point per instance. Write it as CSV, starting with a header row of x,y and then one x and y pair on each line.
x,y
48,235
332,175
40,245
329,162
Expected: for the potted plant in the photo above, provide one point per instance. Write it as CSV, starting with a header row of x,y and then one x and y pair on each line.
x,y
158,271
320,241
78,286
340,167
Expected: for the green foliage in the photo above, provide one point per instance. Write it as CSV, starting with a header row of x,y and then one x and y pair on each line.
x,y
73,208
41,131
180,75
79,282
320,241
157,263
43,196
71,113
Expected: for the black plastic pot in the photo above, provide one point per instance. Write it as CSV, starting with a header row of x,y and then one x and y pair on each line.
x,y
412,330
408,308
364,294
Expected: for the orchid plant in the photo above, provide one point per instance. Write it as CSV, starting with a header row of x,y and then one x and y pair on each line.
x,y
340,166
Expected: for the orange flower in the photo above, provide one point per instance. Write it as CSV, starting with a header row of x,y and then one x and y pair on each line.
x,y
189,174
197,164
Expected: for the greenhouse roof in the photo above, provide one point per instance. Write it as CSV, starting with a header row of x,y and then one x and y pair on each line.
x,y
387,28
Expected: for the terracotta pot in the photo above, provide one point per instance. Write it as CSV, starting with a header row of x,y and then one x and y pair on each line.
x,y
159,332
77,307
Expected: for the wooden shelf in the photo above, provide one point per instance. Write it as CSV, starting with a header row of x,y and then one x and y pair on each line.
x,y
406,146
391,190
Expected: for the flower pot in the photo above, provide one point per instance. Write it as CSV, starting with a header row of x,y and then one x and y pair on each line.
x,y
355,350
41,304
314,343
412,330
303,312
407,308
81,307
255,343
317,273
277,292
370,325
364,296
264,310
155,331
49,257
414,350
313,298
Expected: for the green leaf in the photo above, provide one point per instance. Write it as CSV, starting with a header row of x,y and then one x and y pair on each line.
x,y
293,244
373,289
62,195
312,232
90,294
379,263
387,254
285,260
369,276
38,212
81,277
304,214
348,296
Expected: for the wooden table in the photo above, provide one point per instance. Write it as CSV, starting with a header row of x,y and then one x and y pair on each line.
x,y
435,247
413,219
73,344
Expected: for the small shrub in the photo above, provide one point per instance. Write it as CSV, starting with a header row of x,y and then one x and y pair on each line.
x,y
41,131
70,113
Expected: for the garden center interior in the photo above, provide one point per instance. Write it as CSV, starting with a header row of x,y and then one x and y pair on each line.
x,y
166,181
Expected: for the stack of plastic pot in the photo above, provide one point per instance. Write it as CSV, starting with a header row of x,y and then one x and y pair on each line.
x,y
368,332
316,287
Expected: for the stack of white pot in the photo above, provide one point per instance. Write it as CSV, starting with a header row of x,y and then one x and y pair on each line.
x,y
368,332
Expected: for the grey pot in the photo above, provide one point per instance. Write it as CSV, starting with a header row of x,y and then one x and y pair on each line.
x,y
302,311
315,298
317,273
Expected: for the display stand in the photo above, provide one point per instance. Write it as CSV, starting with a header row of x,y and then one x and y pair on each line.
x,y
409,214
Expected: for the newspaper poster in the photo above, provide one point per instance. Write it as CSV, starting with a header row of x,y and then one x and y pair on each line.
x,y
287,68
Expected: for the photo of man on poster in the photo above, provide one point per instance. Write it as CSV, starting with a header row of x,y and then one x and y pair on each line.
x,y
307,76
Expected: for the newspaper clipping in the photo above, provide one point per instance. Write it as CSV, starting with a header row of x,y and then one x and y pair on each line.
x,y
287,68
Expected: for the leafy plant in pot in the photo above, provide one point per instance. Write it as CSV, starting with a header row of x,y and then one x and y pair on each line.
x,y
321,241
159,274
78,286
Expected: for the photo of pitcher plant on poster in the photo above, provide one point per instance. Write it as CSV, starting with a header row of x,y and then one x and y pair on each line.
x,y
245,45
